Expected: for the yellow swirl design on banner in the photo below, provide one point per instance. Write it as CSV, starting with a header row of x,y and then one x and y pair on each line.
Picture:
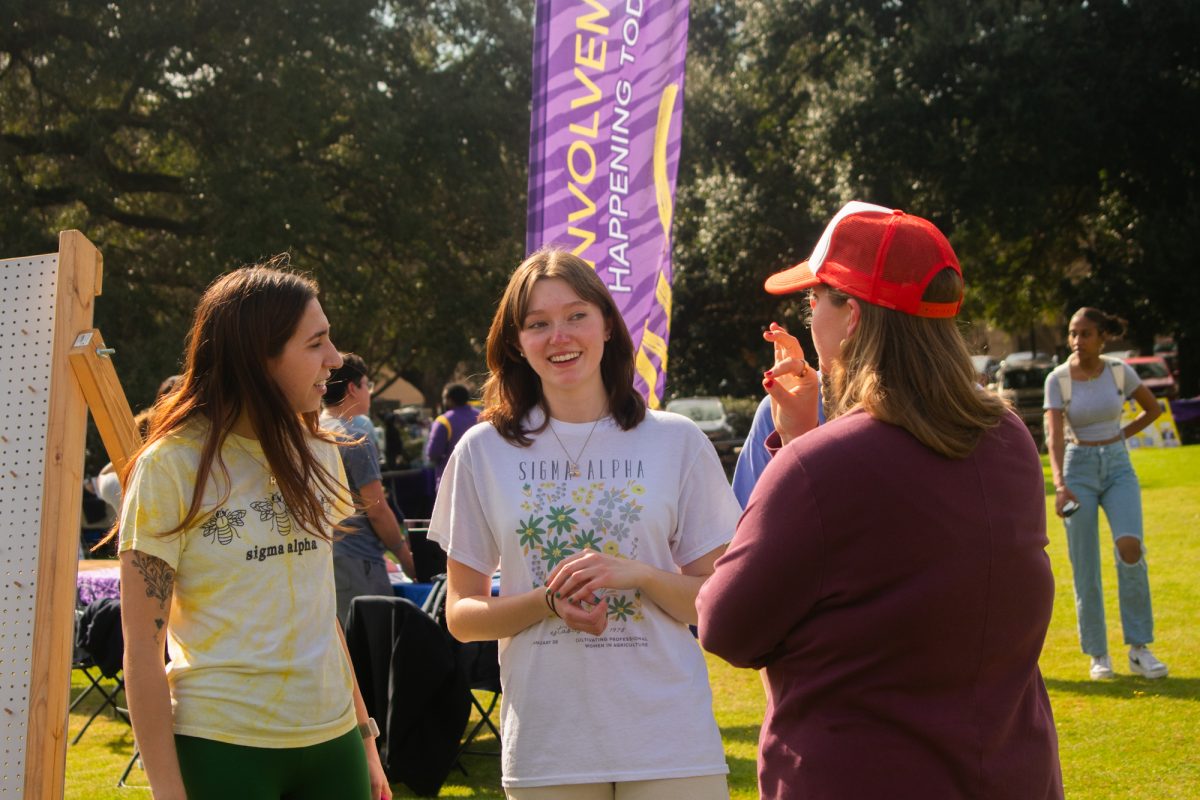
x,y
652,343
662,185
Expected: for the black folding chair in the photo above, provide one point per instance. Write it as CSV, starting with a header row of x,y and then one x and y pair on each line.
x,y
407,670
89,670
99,646
83,661
134,759
480,663
429,559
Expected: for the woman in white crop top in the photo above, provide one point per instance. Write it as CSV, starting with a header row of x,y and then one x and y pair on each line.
x,y
1091,469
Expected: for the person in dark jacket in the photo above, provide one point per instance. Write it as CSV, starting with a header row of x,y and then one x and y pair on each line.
x,y
890,571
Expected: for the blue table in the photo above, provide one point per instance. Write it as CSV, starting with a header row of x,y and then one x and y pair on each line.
x,y
416,592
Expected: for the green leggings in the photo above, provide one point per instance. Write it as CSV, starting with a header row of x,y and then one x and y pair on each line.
x,y
218,771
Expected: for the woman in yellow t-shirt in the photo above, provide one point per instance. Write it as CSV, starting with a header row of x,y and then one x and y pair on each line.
x,y
225,561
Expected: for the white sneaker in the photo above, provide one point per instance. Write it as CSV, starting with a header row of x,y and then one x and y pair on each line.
x,y
1102,668
1142,662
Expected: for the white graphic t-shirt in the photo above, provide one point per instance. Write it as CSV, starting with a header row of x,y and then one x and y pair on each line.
x,y
255,658
633,703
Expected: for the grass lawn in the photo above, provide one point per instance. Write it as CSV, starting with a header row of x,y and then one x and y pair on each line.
x,y
1124,738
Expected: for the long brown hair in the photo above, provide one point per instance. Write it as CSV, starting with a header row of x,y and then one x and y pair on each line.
x,y
243,319
915,373
513,388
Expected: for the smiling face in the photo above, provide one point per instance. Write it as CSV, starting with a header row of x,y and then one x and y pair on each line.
x,y
302,367
1085,339
562,337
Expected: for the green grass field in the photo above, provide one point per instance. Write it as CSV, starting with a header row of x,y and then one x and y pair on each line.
x,y
1124,738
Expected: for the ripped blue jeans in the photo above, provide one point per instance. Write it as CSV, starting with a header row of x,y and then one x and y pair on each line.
x,y
1104,477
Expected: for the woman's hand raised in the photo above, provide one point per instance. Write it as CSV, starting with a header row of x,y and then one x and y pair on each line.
x,y
793,385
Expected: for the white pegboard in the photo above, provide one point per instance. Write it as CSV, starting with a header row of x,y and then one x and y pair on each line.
x,y
27,305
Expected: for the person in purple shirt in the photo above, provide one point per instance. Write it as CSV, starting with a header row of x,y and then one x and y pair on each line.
x,y
889,574
449,426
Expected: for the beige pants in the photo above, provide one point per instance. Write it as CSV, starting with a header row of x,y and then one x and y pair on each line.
x,y
703,787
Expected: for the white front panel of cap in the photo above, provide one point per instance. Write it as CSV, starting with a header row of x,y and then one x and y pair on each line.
x,y
817,259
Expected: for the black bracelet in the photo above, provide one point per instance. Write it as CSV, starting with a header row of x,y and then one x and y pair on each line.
x,y
550,603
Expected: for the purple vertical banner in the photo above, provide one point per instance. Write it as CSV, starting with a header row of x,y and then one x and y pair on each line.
x,y
604,152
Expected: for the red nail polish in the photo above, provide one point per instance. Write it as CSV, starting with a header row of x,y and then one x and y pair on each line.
x,y
769,383
769,374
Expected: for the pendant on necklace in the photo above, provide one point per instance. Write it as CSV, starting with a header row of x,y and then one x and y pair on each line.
x,y
573,462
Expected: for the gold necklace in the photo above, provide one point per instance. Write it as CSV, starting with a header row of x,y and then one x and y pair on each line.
x,y
573,463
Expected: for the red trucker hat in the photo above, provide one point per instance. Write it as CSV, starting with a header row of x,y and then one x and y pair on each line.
x,y
877,254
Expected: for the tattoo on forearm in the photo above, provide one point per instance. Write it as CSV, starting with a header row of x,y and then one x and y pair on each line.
x,y
159,578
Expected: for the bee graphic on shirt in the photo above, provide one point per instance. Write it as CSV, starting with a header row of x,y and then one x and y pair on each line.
x,y
221,525
274,509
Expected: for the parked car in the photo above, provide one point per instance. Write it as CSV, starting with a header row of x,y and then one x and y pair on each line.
x,y
1023,385
985,368
707,412
1026,355
1156,374
1170,353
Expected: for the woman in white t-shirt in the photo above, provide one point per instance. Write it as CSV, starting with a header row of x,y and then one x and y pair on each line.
x,y
604,520
1091,469
225,560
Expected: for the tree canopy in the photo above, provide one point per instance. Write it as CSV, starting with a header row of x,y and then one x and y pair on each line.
x,y
1052,141
383,143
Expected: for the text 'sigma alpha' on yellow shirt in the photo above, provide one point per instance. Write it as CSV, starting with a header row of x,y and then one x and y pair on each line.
x,y
254,656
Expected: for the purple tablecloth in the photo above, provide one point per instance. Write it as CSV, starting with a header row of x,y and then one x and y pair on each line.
x,y
1186,410
97,584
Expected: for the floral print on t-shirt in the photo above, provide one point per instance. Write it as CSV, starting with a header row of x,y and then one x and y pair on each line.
x,y
561,522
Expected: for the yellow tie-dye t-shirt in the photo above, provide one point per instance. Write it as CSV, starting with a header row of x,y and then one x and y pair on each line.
x,y
255,658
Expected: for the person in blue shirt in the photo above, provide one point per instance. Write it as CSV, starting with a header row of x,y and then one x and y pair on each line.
x,y
358,561
753,458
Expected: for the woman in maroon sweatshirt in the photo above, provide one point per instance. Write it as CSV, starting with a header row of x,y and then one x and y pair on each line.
x,y
890,571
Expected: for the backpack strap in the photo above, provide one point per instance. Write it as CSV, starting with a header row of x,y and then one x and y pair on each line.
x,y
1062,374
1118,372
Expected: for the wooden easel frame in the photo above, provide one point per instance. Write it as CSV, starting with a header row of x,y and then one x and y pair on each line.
x,y
77,380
